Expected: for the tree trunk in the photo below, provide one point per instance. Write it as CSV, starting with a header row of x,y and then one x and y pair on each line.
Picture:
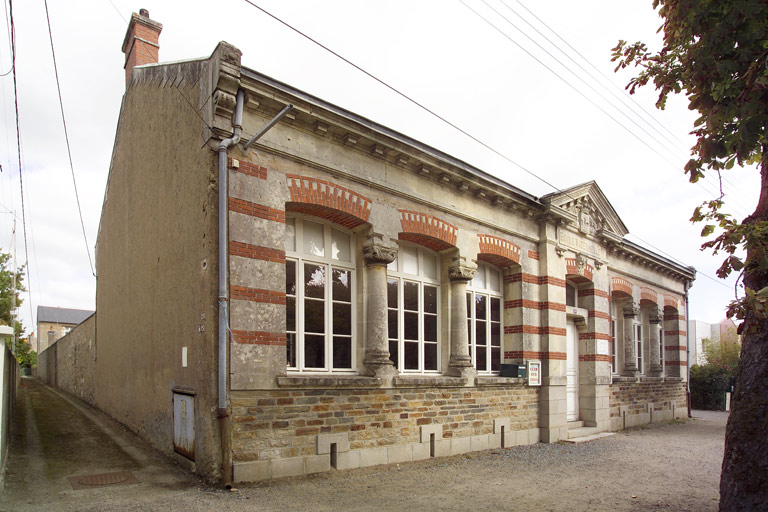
x,y
744,478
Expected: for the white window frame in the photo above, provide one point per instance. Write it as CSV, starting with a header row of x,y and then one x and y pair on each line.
x,y
395,272
490,294
661,346
638,331
301,258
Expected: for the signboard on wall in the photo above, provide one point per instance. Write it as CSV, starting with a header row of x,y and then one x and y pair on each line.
x,y
534,373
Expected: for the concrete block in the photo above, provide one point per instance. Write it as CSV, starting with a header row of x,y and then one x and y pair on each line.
x,y
425,432
399,453
420,451
460,445
533,435
443,448
293,466
373,457
317,463
494,440
348,460
478,443
501,422
324,442
548,435
251,471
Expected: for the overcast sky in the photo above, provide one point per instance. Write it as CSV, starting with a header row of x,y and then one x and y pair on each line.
x,y
488,78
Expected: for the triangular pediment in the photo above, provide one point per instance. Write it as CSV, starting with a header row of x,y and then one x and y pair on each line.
x,y
590,209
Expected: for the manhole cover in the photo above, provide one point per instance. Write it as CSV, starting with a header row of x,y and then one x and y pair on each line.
x,y
102,480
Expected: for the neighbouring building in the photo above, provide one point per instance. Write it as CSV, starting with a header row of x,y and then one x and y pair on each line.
x,y
723,332
55,322
376,290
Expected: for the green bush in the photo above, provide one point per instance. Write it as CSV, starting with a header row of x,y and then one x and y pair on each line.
x,y
709,383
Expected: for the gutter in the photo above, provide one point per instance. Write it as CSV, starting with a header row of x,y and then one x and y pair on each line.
x,y
687,349
226,452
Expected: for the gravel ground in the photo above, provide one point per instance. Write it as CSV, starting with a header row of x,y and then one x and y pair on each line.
x,y
673,466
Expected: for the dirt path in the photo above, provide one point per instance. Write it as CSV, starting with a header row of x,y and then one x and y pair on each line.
x,y
664,467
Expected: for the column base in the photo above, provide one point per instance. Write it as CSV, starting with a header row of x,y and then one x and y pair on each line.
x,y
655,371
465,372
630,372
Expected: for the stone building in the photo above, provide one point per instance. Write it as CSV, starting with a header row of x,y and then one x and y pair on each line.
x,y
55,322
333,293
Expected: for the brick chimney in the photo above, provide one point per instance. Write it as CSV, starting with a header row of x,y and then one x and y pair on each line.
x,y
140,45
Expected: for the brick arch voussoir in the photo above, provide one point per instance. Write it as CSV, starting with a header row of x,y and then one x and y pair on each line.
x,y
498,252
327,200
427,230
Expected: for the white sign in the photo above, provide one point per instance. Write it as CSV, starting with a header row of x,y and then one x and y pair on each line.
x,y
602,347
534,373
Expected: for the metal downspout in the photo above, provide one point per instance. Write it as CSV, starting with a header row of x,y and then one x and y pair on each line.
x,y
687,349
226,456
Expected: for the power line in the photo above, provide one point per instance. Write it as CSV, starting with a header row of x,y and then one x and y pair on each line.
x,y
443,119
66,138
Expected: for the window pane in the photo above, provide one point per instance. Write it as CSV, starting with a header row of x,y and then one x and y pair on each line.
x,y
290,349
313,238
342,318
430,327
410,257
430,265
392,293
410,296
342,352
430,299
480,307
570,295
393,352
340,249
469,305
478,282
494,279
314,279
392,266
411,354
495,334
480,335
314,351
314,316
290,314
495,309
495,359
392,323
290,277
482,359
342,285
430,356
290,234
411,325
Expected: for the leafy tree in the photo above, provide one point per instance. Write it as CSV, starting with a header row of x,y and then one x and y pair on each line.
x,y
7,292
716,53
723,355
26,357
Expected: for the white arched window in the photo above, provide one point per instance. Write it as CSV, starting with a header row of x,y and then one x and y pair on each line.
x,y
413,304
319,279
484,302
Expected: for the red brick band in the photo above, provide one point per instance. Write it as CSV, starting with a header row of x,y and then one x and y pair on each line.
x,y
304,189
596,357
675,348
589,292
599,314
674,333
533,255
534,329
525,354
594,336
259,338
256,295
255,252
532,279
255,210
532,304
675,317
250,169
675,363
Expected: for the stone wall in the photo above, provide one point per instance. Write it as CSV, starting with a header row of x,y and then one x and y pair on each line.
x,y
648,400
282,433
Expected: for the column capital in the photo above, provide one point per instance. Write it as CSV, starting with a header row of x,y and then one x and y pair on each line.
x,y
656,316
378,250
461,270
630,310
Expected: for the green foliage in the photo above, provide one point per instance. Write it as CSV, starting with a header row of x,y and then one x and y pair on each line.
x,y
709,383
716,53
7,294
722,355
26,357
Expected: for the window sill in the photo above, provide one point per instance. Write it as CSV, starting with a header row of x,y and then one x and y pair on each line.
x,y
424,381
328,381
494,380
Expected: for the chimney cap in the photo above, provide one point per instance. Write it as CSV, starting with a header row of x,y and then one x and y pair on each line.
x,y
144,12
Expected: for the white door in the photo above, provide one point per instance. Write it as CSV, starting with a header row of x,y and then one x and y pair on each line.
x,y
572,371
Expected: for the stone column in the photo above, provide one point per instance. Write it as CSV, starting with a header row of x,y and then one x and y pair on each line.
x,y
460,272
377,254
630,348
656,319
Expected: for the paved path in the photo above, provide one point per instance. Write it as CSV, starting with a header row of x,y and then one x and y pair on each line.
x,y
673,466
